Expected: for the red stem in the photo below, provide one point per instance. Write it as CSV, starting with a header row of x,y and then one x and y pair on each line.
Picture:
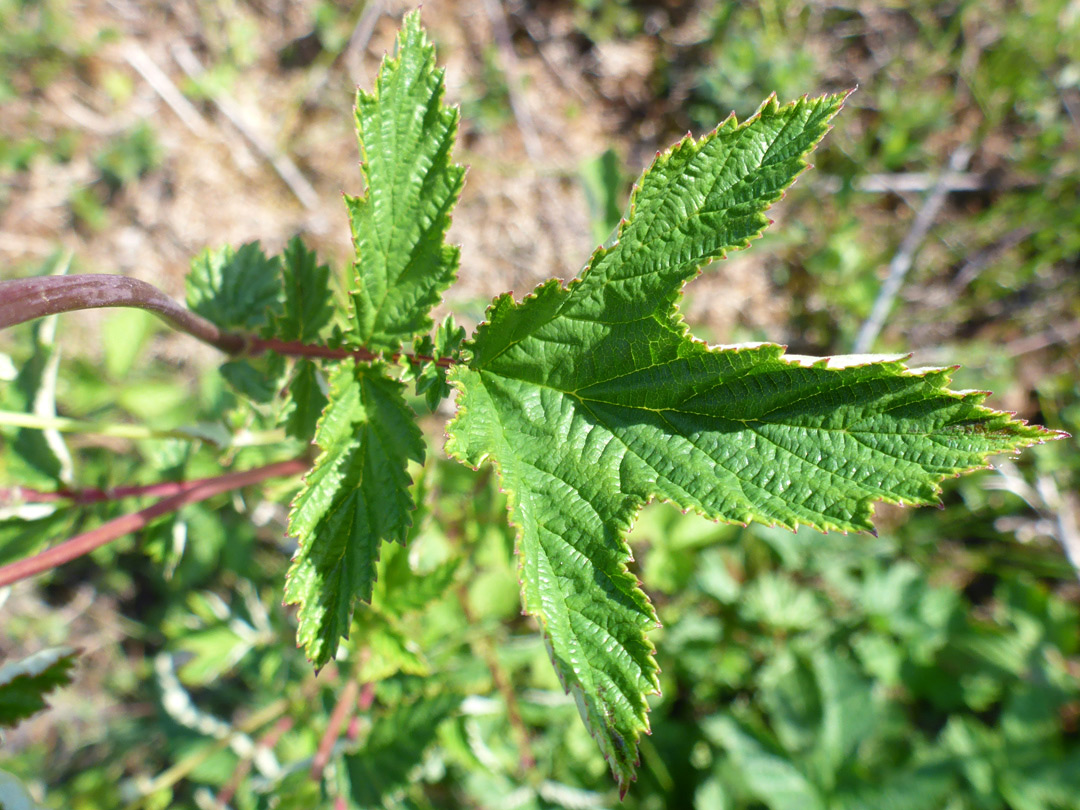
x,y
90,495
343,710
107,532
291,348
25,299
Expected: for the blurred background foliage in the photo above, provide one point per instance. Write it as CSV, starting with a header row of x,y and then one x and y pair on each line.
x,y
936,665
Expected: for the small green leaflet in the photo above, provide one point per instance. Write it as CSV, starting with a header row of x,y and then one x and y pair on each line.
x,y
403,265
308,401
355,497
235,289
593,399
24,683
307,305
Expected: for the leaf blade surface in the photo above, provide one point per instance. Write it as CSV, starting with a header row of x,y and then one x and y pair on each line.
x,y
355,497
593,399
406,135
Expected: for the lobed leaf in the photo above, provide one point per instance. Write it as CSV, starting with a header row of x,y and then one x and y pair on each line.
x,y
406,134
593,398
355,497
23,684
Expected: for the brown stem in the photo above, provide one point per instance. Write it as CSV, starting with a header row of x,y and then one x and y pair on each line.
x,y
296,349
486,650
10,495
25,299
107,532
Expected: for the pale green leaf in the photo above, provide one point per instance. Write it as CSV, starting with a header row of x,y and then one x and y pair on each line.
x,y
848,713
770,777
593,399
14,795
24,683
235,289
406,134
355,497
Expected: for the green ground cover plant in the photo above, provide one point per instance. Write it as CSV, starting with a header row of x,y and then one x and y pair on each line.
x,y
588,399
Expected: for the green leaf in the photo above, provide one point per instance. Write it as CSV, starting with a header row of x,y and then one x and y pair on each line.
x,y
37,457
771,778
355,497
401,589
848,714
235,289
394,748
24,683
124,334
308,401
35,527
406,134
308,304
593,398
257,378
922,788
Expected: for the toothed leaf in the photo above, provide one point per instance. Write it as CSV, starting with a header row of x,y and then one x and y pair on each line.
x,y
593,399
355,497
235,289
23,684
259,378
308,401
403,265
307,305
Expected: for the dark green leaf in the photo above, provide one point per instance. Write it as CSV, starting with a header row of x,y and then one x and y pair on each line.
x,y
308,304
355,497
593,398
394,748
257,378
403,265
23,684
308,401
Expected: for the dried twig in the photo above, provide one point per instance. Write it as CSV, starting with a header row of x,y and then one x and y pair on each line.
x,y
905,256
921,182
1066,333
361,36
161,84
286,169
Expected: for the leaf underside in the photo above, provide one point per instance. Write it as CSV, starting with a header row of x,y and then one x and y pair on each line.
x,y
406,134
593,398
355,497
